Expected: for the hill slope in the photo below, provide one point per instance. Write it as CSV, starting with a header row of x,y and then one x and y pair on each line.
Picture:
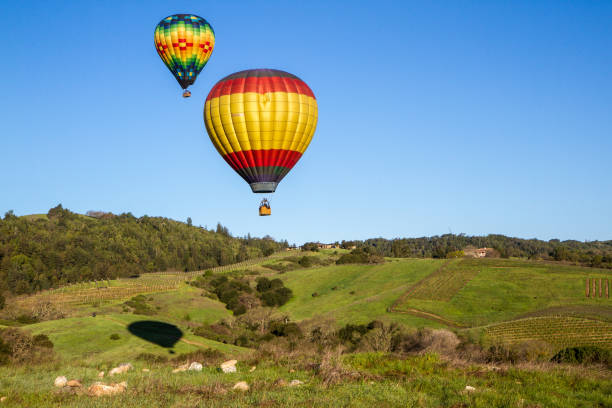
x,y
39,252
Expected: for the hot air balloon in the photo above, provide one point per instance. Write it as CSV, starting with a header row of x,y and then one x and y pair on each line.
x,y
261,122
184,42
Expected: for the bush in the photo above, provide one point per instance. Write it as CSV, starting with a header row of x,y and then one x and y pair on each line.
x,y
583,355
305,261
273,292
114,336
41,340
360,256
152,358
139,306
311,246
19,347
281,329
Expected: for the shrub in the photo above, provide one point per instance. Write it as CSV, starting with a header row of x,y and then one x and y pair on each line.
x,y
583,355
139,306
361,256
281,329
152,358
41,340
305,261
19,347
114,336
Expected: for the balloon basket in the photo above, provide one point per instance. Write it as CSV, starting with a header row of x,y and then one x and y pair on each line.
x,y
186,94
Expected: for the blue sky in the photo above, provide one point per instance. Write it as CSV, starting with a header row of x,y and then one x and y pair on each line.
x,y
474,117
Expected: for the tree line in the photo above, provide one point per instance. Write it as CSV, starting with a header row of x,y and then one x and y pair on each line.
x,y
594,253
42,252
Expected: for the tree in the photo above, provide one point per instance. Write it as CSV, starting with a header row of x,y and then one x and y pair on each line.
x,y
189,221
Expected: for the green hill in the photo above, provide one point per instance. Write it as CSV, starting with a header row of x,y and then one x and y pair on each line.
x,y
38,252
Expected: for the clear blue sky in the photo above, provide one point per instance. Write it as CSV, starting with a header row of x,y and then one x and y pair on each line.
x,y
478,117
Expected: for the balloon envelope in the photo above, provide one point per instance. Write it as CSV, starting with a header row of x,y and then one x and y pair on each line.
x,y
261,121
185,43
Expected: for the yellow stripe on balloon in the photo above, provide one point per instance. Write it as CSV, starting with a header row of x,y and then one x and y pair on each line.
x,y
254,121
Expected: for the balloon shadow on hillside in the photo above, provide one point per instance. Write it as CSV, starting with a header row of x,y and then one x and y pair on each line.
x,y
162,334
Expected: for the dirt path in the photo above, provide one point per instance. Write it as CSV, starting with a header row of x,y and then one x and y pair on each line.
x,y
430,316
190,342
420,313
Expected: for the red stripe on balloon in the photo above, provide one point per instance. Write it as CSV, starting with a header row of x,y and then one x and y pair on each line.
x,y
263,158
260,85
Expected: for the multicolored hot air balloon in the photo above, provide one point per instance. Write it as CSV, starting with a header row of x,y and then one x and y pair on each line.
x,y
185,43
261,121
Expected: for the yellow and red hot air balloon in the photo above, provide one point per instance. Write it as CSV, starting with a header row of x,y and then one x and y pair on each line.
x,y
185,43
261,122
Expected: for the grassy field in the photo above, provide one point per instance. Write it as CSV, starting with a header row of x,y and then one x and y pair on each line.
x,y
371,379
355,293
88,339
481,292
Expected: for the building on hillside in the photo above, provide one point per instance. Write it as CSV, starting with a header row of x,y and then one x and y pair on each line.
x,y
478,252
481,252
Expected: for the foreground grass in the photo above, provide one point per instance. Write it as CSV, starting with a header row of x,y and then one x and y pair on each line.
x,y
369,379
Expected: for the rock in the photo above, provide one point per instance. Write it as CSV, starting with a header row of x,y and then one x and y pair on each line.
x,y
120,369
241,386
469,388
99,389
252,369
101,374
2,399
292,371
181,368
295,383
60,382
74,383
229,366
195,366
146,370
281,382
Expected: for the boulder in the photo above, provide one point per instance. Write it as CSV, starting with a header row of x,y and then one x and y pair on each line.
x,y
229,366
101,374
195,366
2,399
295,383
99,389
241,386
469,388
120,369
60,382
74,383
252,369
181,368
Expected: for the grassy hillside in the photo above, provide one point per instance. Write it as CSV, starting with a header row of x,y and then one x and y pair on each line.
x,y
355,293
507,301
88,339
481,292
